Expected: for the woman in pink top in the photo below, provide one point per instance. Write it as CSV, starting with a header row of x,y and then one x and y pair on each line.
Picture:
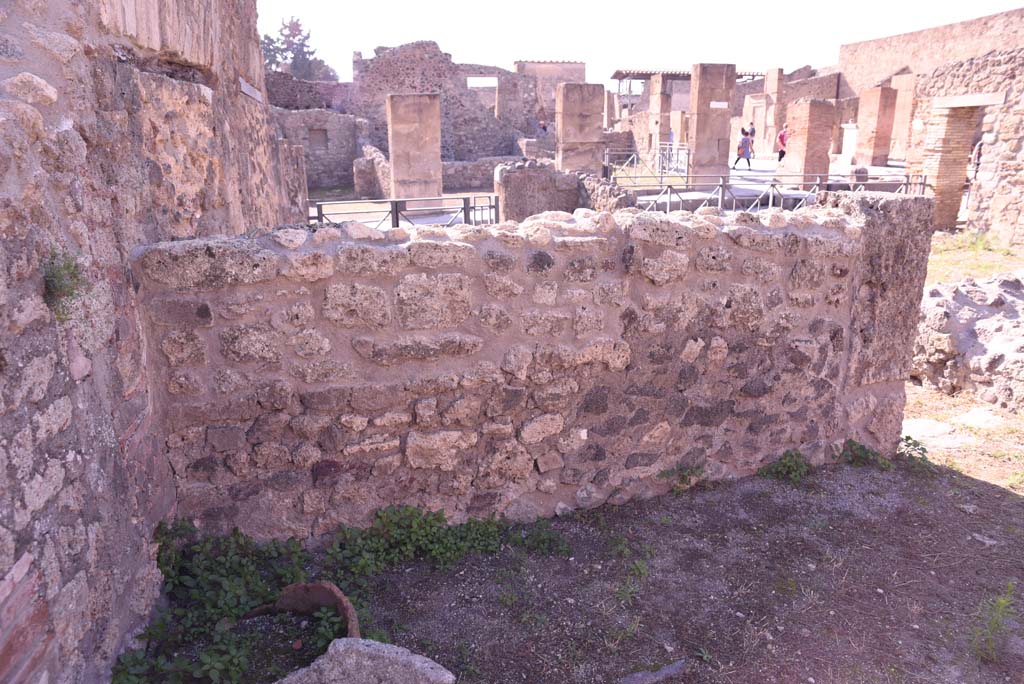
x,y
782,139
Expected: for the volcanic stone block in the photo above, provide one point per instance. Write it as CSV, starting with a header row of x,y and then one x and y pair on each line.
x,y
414,141
579,119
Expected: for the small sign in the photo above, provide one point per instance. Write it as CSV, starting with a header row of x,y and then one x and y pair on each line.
x,y
250,90
719,105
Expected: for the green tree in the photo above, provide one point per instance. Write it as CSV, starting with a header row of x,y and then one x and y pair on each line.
x,y
290,52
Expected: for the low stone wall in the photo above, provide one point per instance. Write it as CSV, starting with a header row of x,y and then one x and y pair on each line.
x,y
304,379
462,176
529,187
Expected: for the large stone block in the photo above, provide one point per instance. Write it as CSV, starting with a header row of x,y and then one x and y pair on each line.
x,y
414,144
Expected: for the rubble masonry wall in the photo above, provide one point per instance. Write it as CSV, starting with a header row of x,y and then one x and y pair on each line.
x,y
121,123
304,380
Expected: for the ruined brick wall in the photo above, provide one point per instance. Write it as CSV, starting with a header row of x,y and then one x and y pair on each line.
x,y
287,92
529,187
469,130
549,75
996,202
330,141
869,63
121,123
304,380
465,176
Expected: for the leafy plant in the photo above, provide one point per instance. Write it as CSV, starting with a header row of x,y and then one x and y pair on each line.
x,y
63,282
993,615
858,454
329,626
402,533
915,456
224,661
792,466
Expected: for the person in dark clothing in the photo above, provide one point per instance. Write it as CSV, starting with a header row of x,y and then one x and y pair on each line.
x,y
743,150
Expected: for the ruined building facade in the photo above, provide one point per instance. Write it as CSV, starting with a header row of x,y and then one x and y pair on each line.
x,y
121,124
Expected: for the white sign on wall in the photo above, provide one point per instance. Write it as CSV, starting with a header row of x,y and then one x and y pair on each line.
x,y
719,105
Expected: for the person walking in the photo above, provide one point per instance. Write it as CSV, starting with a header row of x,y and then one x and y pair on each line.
x,y
782,139
743,149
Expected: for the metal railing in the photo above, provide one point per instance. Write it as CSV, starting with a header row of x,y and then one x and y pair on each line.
x,y
470,209
790,191
667,159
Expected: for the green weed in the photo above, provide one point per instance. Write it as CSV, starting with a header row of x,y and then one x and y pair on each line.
x,y
858,454
63,282
993,614
792,466
915,456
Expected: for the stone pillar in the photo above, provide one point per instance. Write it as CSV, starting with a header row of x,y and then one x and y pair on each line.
x,y
506,97
774,112
579,115
874,125
711,92
848,155
810,137
679,125
611,115
414,141
904,85
947,146
660,106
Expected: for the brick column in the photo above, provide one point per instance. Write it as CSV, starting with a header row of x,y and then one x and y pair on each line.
x,y
947,147
810,137
414,144
579,119
904,85
875,115
711,92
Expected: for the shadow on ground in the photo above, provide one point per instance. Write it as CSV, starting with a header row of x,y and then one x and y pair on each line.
x,y
855,575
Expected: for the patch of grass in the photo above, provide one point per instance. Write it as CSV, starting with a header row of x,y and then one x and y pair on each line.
x,y
968,253
543,539
914,455
860,455
63,282
329,626
792,466
683,477
993,615
1016,481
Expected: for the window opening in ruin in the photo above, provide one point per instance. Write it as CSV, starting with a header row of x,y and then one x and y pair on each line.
x,y
318,139
481,81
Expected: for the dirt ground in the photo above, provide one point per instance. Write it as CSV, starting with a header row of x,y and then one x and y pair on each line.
x,y
856,575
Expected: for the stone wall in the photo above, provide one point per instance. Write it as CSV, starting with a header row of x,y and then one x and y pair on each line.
x,y
114,133
287,92
468,176
996,201
371,174
530,187
330,142
469,130
547,76
305,380
872,62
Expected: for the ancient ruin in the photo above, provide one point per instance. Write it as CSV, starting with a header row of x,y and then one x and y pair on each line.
x,y
186,335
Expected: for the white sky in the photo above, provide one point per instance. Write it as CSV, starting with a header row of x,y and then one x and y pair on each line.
x,y
610,35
